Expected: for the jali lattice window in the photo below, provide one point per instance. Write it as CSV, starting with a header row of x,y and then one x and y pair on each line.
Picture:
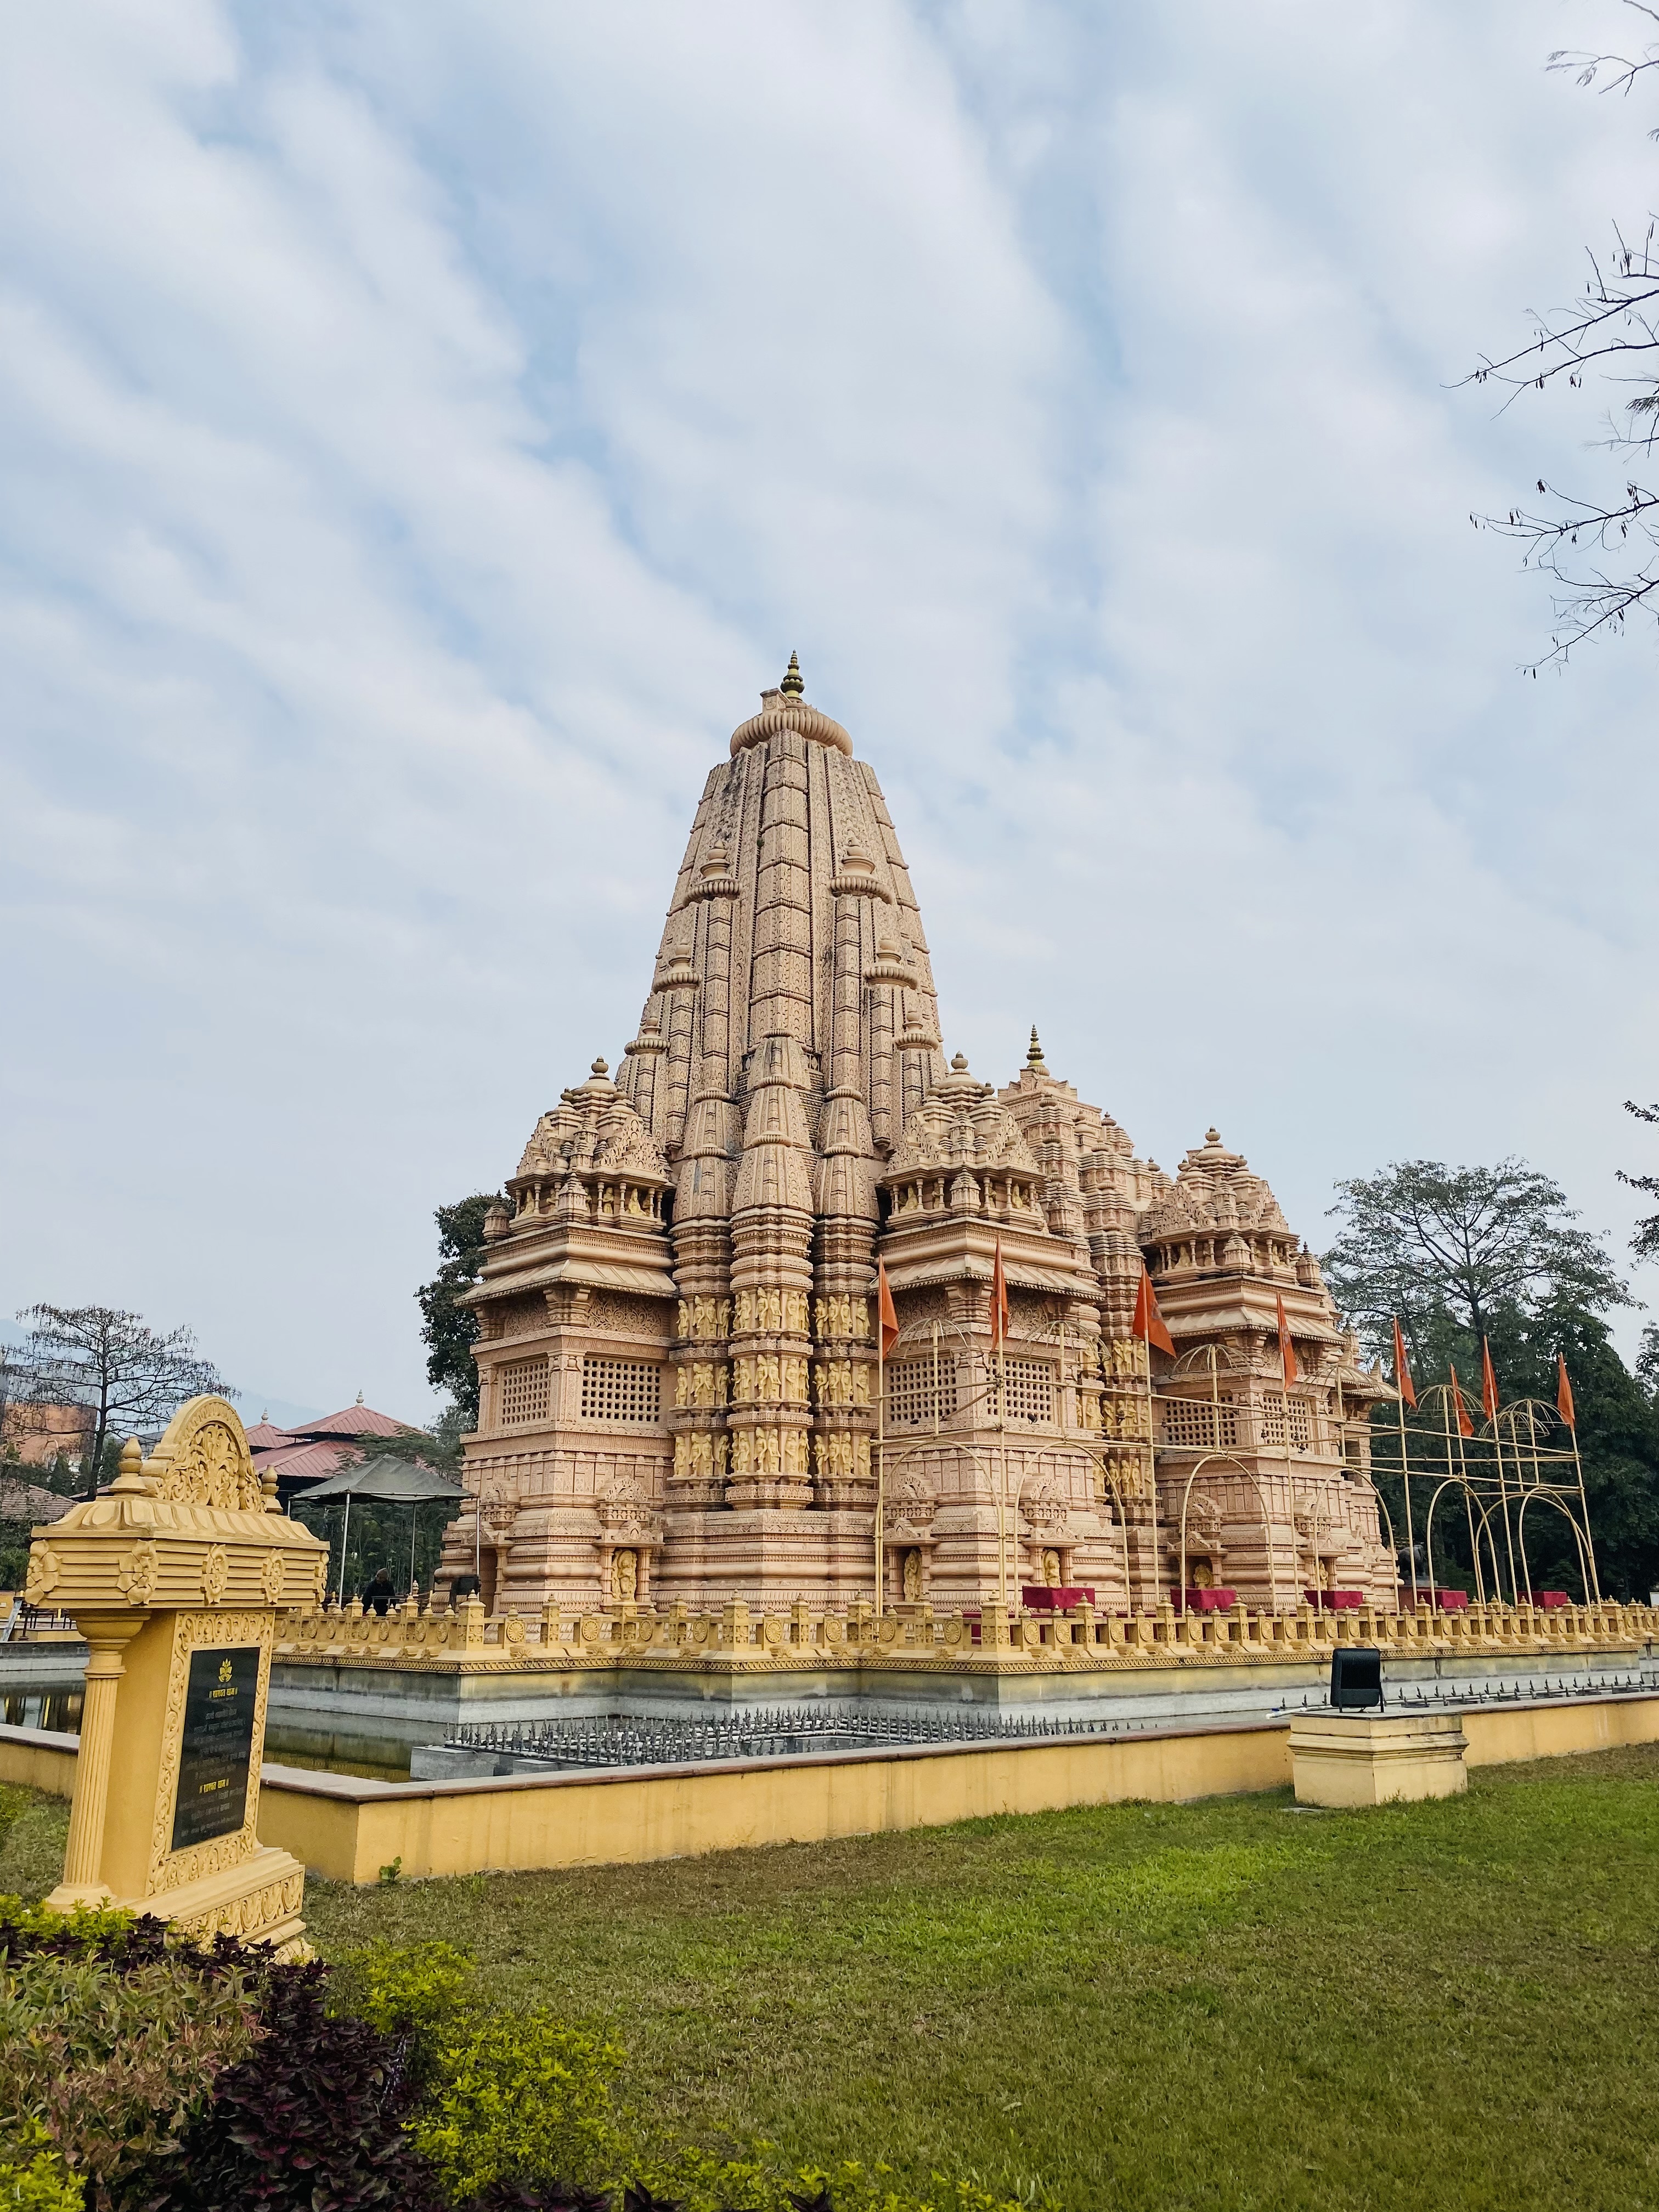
x,y
1199,1425
911,1392
1031,1390
621,1390
1273,1423
523,1391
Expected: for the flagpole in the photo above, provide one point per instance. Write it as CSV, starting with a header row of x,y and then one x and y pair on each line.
x,y
1003,1427
1468,1510
1509,1532
886,1326
1578,1464
1151,1477
881,1458
1002,1488
1489,1387
1285,1356
1404,1464
998,1345
1584,1507
1451,1476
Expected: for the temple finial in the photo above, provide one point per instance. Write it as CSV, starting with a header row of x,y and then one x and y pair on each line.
x,y
1034,1056
792,680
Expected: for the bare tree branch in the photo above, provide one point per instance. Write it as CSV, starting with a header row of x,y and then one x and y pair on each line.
x,y
1603,554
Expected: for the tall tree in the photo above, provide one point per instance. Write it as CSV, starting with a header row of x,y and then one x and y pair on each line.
x,y
1477,1250
125,1377
449,1329
1600,547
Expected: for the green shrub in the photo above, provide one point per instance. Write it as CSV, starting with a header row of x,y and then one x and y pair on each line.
x,y
697,2181
519,2096
413,1989
504,2097
112,2059
32,2175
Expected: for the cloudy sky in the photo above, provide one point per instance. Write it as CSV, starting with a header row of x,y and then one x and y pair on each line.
x,y
425,429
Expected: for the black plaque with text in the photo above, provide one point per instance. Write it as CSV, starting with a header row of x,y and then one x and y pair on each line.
x,y
217,1748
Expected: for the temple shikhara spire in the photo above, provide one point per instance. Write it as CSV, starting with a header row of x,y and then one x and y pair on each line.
x,y
677,1352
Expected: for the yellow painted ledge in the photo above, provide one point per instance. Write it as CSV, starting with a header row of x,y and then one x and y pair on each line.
x,y
346,1829
40,1759
1499,1735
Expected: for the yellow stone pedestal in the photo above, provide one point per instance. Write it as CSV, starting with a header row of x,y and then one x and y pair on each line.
x,y
1376,1759
174,1576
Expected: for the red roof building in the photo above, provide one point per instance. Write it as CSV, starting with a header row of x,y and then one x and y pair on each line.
x,y
312,1450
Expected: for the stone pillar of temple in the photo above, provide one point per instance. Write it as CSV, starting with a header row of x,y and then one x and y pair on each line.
x,y
888,975
642,1067
679,982
844,1377
701,1229
770,1417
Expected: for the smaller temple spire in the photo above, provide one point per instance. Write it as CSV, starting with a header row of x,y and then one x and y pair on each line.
x,y
792,683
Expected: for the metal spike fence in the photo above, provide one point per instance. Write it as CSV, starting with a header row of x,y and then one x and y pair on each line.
x,y
1522,1690
781,1732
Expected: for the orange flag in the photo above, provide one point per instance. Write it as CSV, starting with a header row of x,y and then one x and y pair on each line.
x,y
1148,1323
1488,1385
1402,1373
1465,1425
886,1317
998,1301
1286,1349
1564,1394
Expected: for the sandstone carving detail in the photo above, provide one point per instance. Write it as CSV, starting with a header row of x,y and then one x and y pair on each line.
x,y
783,1120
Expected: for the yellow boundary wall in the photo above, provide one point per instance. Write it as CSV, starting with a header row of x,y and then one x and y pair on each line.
x,y
40,1759
582,1819
1499,1735
346,1829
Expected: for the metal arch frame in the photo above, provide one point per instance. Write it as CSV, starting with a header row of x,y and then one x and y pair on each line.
x,y
1251,1475
1459,1482
1486,1512
1548,1493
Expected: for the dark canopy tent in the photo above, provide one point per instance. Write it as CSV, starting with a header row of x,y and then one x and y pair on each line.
x,y
383,1482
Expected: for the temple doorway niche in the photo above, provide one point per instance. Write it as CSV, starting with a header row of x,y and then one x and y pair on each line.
x,y
1203,1575
911,1577
1051,1569
625,1576
488,1563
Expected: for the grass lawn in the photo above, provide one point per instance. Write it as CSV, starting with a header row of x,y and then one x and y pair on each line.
x,y
1227,2005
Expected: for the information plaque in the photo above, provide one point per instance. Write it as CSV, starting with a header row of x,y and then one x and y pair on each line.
x,y
217,1747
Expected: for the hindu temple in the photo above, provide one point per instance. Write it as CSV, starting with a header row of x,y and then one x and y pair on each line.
x,y
681,1392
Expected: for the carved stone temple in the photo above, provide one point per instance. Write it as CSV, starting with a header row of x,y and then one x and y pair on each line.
x,y
677,1354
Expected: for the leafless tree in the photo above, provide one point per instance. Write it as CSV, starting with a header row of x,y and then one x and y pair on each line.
x,y
1602,553
125,1378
